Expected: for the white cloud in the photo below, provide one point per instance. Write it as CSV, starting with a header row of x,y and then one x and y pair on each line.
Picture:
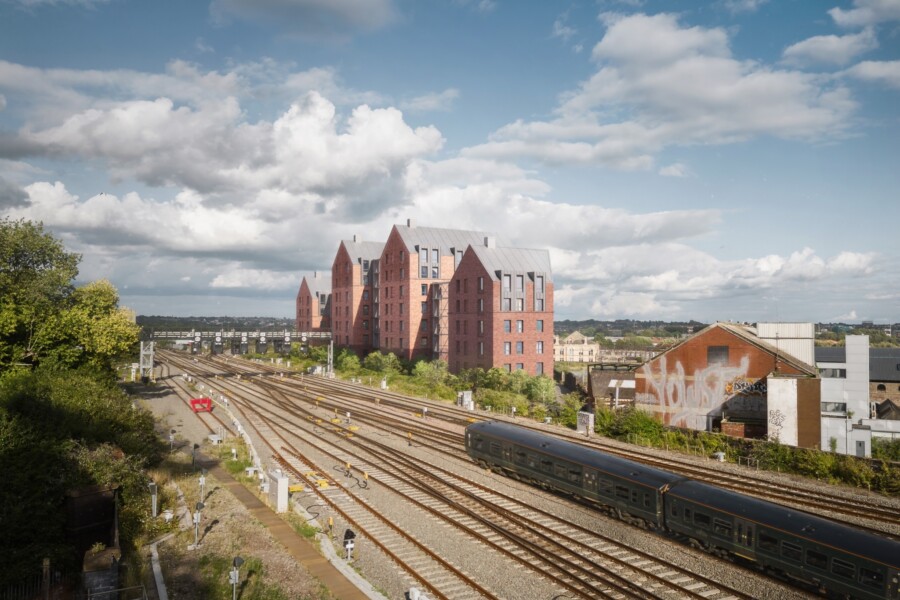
x,y
258,279
440,101
866,12
831,49
683,89
674,170
561,30
743,6
886,71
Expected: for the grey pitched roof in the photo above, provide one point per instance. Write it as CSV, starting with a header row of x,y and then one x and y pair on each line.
x,y
318,284
884,364
831,354
444,239
363,250
513,260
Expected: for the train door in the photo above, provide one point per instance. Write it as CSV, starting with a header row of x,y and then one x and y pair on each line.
x,y
744,538
590,483
507,453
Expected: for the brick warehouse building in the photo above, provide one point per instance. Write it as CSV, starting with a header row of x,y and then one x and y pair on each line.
x,y
353,311
501,310
314,304
726,377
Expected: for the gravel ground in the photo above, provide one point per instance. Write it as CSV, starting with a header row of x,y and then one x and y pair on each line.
x,y
227,528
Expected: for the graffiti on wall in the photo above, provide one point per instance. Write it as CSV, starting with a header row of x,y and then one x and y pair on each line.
x,y
776,422
687,401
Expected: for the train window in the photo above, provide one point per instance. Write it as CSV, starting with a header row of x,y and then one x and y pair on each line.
x,y
842,568
816,559
559,471
767,542
791,551
547,465
673,509
722,528
622,492
532,461
606,487
495,448
870,578
647,500
701,520
575,476
520,456
687,515
634,496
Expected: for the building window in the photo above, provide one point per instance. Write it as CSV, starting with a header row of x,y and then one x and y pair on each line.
x,y
520,304
365,294
423,256
457,326
508,367
881,387
424,341
424,308
424,289
520,366
401,326
480,348
520,326
481,284
520,347
507,282
507,326
480,327
365,324
539,324
520,283
539,368
833,373
717,355
539,283
424,272
435,256
506,305
366,309
481,305
401,308
435,273
507,348
539,349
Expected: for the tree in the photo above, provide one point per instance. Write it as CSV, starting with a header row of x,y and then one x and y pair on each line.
x,y
433,373
36,276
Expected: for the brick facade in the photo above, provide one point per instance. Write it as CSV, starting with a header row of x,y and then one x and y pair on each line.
x,y
495,316
720,372
313,305
352,297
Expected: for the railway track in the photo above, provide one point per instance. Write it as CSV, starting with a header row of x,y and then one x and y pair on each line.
x,y
537,540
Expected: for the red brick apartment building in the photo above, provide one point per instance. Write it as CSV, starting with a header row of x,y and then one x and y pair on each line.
x,y
352,299
412,295
454,295
501,310
314,304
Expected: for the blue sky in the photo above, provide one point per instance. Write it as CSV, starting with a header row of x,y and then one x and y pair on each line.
x,y
723,160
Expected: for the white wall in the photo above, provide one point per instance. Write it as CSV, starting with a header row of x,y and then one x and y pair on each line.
x,y
782,405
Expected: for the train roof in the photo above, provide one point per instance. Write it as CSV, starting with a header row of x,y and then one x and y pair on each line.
x,y
577,453
791,521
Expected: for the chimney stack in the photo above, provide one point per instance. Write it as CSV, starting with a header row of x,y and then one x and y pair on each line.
x,y
490,242
410,223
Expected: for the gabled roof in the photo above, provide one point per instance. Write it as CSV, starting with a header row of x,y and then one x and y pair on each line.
x,y
747,334
318,284
363,250
831,354
444,239
888,410
513,260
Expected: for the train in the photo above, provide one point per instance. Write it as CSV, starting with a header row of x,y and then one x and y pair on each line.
x,y
836,559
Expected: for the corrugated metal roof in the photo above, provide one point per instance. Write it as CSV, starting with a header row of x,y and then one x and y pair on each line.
x,y
884,364
831,354
443,239
514,260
